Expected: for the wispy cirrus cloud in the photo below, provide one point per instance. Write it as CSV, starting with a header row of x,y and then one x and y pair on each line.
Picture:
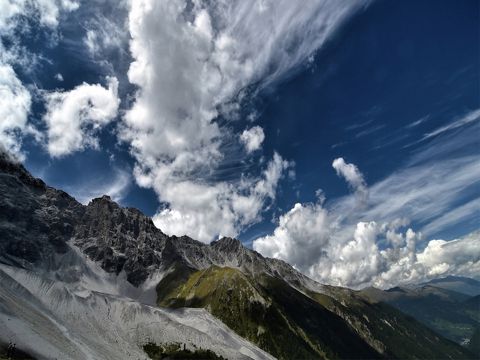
x,y
115,185
196,65
16,99
418,122
461,121
371,245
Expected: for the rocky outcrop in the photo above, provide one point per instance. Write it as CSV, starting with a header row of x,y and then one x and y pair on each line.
x,y
37,221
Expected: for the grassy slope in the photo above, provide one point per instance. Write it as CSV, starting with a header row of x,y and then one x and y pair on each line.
x,y
269,313
448,313
290,324
391,332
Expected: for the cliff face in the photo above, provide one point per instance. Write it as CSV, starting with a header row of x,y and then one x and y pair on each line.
x,y
36,221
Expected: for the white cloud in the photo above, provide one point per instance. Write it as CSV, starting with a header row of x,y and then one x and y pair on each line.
x,y
413,192
252,138
300,236
460,256
15,101
373,254
15,98
194,65
207,211
462,121
116,186
469,210
106,33
342,244
47,12
9,9
418,122
353,176
74,117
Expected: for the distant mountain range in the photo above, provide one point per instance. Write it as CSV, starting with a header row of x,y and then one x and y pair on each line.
x,y
102,282
459,284
450,306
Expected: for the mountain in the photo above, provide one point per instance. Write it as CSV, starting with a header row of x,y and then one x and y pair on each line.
x,y
474,342
101,281
459,284
452,314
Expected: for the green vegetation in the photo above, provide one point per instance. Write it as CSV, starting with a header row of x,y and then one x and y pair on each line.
x,y
447,312
290,324
389,331
270,313
176,351
175,278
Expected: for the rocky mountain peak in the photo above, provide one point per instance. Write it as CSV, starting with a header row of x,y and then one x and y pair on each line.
x,y
103,199
119,239
11,166
227,244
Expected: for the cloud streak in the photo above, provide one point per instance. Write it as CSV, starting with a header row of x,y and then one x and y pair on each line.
x,y
342,244
462,121
116,186
194,66
15,98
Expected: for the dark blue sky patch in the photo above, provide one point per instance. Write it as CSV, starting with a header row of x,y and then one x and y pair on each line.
x,y
395,72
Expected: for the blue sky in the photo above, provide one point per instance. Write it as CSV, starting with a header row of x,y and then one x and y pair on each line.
x,y
392,87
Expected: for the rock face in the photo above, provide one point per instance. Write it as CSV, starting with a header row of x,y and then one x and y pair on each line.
x,y
119,239
104,245
36,221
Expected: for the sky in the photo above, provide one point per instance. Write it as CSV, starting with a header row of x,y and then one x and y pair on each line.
x,y
340,136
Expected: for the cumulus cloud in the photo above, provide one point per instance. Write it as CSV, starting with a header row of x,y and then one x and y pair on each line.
x,y
374,254
353,176
195,66
207,211
300,237
15,101
47,12
74,117
363,262
460,256
15,98
342,244
252,138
